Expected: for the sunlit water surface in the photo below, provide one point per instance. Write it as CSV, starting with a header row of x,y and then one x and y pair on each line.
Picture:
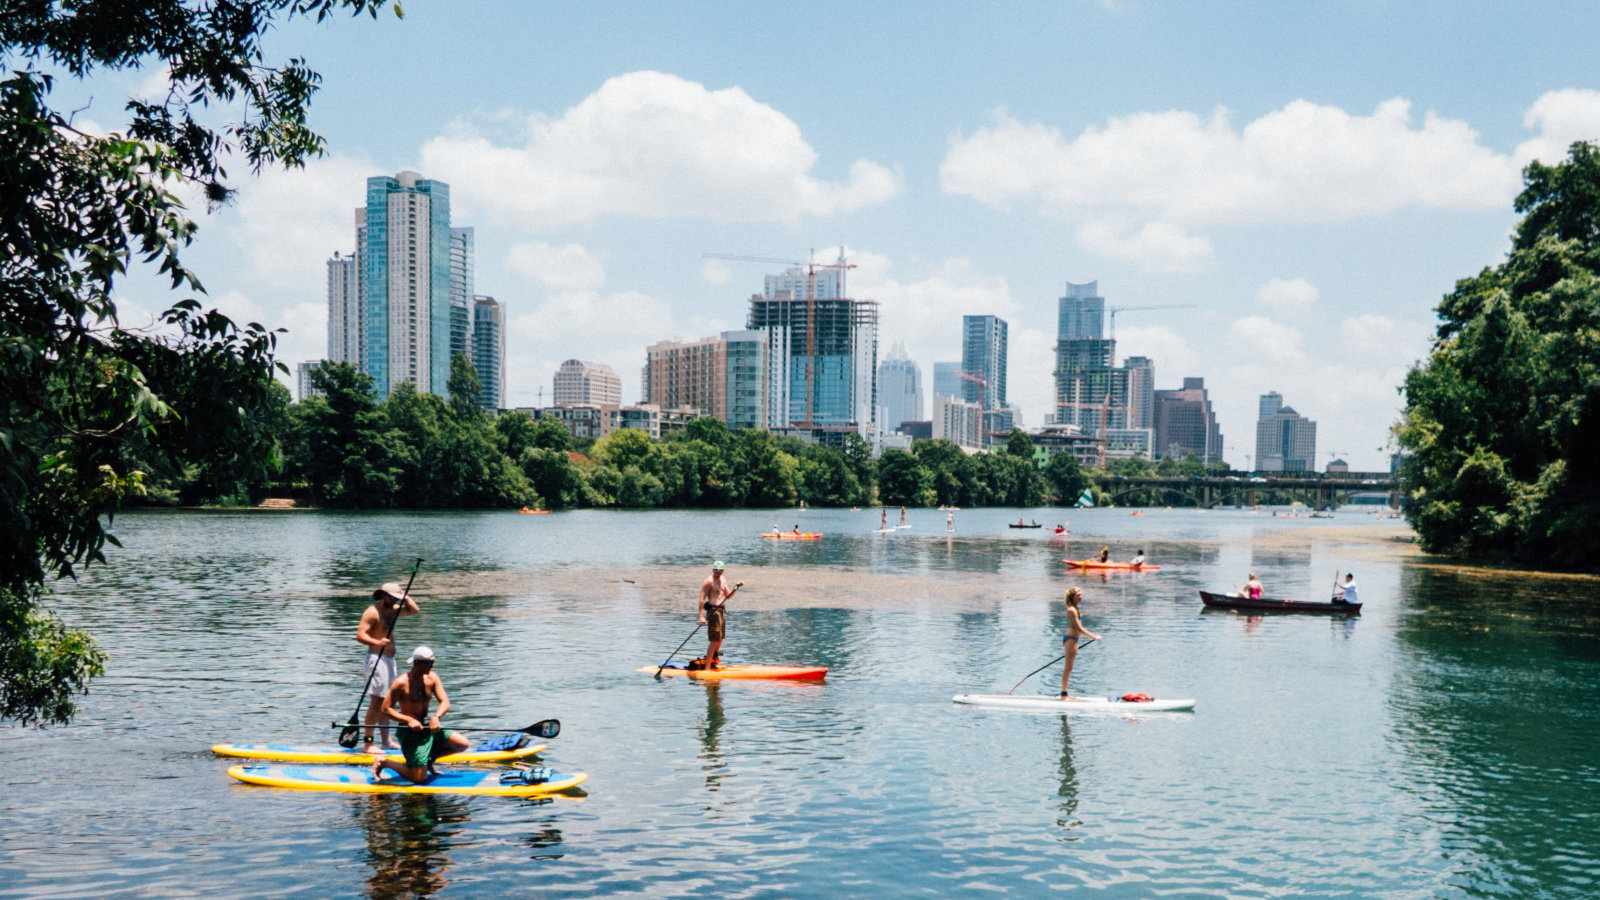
x,y
1445,742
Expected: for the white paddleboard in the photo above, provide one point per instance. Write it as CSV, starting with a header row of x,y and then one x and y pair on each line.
x,y
1076,704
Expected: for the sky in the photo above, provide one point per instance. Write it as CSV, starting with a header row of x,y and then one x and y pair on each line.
x,y
1310,178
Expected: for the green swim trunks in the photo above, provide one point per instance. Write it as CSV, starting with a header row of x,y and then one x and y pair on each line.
x,y
421,748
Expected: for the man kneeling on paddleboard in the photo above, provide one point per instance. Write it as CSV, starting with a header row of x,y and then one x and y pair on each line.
x,y
422,740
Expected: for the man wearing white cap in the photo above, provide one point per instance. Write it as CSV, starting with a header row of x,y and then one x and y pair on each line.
x,y
714,594
376,631
422,740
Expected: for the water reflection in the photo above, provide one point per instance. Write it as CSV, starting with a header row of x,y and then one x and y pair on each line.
x,y
710,732
408,839
1067,790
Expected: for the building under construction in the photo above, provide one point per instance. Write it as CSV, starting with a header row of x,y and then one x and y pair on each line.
x,y
822,351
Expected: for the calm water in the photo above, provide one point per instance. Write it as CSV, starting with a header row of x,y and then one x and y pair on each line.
x,y
1443,743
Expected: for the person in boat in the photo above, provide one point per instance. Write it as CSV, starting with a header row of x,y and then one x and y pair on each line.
x,y
1138,559
797,529
714,594
1020,522
1346,593
423,739
1105,554
1075,630
1061,528
883,520
1252,588
375,631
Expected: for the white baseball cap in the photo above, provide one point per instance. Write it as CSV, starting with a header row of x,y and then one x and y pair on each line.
x,y
424,653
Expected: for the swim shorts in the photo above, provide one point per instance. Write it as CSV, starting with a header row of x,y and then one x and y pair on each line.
x,y
422,747
716,622
383,677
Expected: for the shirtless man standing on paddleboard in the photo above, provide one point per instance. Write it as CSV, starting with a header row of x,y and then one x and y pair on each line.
x,y
714,594
422,740
376,632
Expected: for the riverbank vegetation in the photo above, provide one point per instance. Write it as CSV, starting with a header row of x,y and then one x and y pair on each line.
x,y
1501,429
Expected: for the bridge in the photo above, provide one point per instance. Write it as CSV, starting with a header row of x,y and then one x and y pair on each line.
x,y
1315,489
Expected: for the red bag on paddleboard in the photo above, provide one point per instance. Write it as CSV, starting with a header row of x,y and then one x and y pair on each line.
x,y
1136,697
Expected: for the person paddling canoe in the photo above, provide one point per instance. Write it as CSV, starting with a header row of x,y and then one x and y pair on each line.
x,y
1346,593
375,631
714,594
422,740
1075,630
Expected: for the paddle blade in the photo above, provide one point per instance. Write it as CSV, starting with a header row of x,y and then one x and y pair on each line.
x,y
349,736
549,728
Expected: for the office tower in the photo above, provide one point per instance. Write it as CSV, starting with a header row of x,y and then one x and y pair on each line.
x,y
489,351
587,383
1285,440
305,389
344,311
1141,391
947,379
404,252
958,421
899,389
822,351
1081,313
462,263
983,361
723,377
1185,424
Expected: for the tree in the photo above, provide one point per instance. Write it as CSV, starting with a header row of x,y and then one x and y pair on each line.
x,y
1501,428
902,480
1019,444
463,388
1065,477
78,390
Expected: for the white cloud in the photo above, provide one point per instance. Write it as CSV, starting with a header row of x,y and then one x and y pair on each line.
x,y
716,272
155,85
568,267
653,145
1559,118
1260,338
291,220
1288,294
1155,245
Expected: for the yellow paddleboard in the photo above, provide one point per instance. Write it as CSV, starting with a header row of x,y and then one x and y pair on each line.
x,y
333,754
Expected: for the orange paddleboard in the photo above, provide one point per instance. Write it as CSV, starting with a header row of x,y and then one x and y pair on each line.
x,y
748,673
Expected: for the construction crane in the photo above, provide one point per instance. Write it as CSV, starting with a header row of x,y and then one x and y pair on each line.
x,y
1123,309
811,267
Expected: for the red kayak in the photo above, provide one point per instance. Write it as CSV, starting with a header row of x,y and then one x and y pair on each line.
x,y
1266,604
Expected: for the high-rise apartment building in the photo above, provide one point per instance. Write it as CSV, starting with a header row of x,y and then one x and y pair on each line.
x,y
580,383
344,311
1185,424
1141,391
724,377
822,351
899,389
1114,403
404,253
305,387
462,298
958,421
489,351
947,379
983,361
1285,440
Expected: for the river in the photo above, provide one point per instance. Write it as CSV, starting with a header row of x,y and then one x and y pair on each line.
x,y
1443,742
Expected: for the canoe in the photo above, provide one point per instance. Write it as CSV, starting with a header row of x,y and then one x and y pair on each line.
x,y
747,673
1114,566
1115,705
1015,525
359,780
791,536
533,512
333,754
1267,604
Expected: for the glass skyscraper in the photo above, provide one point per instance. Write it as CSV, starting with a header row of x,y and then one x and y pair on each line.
x,y
822,352
404,253
947,379
489,351
462,263
983,361
899,389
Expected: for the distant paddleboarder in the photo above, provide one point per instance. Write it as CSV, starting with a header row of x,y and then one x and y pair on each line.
x,y
1075,630
375,632
904,521
423,739
714,594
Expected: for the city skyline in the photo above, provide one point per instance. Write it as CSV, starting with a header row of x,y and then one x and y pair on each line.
x,y
1414,152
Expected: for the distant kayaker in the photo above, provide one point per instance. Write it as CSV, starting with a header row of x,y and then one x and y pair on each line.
x,y
1061,528
1075,630
1138,559
1346,593
714,594
374,631
1105,554
1252,588
422,740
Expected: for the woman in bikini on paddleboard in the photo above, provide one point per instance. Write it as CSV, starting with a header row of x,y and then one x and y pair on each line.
x,y
1075,630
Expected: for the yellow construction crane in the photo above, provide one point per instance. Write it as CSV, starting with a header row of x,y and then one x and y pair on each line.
x,y
811,267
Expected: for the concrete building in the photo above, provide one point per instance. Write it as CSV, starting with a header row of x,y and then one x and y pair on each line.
x,y
1285,440
899,390
947,379
578,383
462,265
724,377
983,361
1141,391
404,255
918,430
1185,424
344,311
304,389
1338,467
959,422
488,352
584,421
822,351
1053,439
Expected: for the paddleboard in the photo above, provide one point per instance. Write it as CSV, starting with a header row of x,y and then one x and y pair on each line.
x,y
359,780
1114,566
1081,704
333,754
747,673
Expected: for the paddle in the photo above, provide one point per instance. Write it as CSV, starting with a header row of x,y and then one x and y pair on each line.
x,y
686,640
1045,666
351,734
547,728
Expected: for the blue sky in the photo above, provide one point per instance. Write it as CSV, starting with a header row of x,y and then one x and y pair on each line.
x,y
1312,178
